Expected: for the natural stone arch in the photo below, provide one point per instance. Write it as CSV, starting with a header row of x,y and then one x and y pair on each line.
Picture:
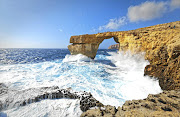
x,y
88,44
161,44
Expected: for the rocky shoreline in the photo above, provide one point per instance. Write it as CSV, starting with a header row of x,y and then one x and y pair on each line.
x,y
164,104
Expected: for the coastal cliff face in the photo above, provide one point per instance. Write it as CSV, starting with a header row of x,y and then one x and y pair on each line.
x,y
161,43
162,46
116,46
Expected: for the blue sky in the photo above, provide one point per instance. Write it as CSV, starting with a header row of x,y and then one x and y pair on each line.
x,y
51,23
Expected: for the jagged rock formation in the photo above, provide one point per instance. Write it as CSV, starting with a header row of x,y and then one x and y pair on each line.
x,y
160,42
166,104
116,46
13,98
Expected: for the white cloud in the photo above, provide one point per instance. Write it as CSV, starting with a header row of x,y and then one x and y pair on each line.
x,y
60,30
175,4
146,11
113,24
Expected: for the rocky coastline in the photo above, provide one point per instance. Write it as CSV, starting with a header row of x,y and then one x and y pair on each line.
x,y
161,44
164,104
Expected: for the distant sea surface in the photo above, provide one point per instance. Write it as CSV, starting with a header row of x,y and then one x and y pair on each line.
x,y
112,78
28,56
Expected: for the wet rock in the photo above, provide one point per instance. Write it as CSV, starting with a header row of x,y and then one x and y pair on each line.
x,y
88,101
1,106
3,89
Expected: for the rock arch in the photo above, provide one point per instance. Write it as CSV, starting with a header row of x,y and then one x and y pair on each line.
x,y
88,44
161,44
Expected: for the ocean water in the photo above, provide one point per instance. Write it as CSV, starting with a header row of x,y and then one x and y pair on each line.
x,y
112,78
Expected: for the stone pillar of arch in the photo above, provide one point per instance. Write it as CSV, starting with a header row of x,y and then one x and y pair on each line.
x,y
89,50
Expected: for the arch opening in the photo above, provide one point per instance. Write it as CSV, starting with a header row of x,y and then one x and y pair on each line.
x,y
106,43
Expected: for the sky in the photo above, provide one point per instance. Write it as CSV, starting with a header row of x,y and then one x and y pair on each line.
x,y
51,23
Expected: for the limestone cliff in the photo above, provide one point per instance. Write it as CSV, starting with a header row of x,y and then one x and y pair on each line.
x,y
162,46
161,43
116,46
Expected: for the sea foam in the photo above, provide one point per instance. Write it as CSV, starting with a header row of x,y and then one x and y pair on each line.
x,y
46,108
112,79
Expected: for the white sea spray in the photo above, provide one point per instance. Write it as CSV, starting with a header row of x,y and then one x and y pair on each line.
x,y
111,79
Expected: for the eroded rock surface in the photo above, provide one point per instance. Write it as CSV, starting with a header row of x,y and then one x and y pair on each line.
x,y
164,104
89,50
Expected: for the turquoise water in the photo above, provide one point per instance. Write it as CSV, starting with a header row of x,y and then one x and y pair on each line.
x,y
111,77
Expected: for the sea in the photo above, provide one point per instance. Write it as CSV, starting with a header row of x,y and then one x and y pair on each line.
x,y
112,78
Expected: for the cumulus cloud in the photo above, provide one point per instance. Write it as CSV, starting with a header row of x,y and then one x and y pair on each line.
x,y
114,24
146,11
143,12
175,4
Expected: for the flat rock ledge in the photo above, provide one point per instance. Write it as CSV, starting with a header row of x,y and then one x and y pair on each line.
x,y
166,104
